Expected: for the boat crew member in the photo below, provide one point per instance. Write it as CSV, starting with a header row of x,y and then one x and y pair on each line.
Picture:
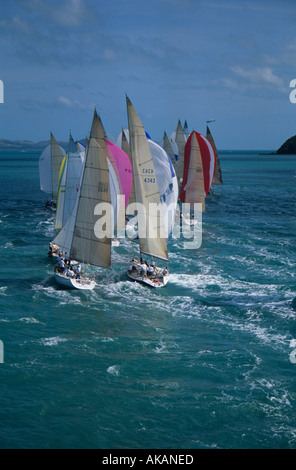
x,y
66,258
150,271
78,271
165,271
134,264
70,272
61,265
143,269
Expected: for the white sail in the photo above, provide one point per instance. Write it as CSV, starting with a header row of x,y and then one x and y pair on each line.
x,y
45,170
153,242
167,184
49,167
74,169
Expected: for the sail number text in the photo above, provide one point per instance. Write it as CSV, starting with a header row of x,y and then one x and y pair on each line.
x,y
148,171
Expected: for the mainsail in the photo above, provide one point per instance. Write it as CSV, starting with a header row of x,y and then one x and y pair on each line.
x,y
87,240
152,240
218,172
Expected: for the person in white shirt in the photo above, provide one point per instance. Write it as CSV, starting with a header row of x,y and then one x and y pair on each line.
x,y
69,272
134,264
61,265
150,271
78,271
143,269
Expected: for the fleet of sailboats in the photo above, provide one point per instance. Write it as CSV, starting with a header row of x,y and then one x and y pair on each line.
x,y
103,187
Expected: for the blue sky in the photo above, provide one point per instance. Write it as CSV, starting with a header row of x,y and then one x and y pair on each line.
x,y
228,60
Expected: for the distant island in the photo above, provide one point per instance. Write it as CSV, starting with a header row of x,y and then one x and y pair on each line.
x,y
288,147
6,144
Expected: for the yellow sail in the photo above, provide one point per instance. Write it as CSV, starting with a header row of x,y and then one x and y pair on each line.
x,y
56,160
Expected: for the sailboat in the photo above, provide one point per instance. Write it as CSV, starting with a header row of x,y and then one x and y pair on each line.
x,y
151,229
49,167
199,168
86,238
218,172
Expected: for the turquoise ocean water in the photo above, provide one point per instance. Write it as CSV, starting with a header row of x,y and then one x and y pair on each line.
x,y
202,364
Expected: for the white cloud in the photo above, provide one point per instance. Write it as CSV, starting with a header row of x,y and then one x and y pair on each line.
x,y
260,76
73,103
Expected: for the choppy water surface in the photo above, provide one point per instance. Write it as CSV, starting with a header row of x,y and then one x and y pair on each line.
x,y
203,363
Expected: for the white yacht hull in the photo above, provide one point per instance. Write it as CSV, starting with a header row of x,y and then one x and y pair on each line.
x,y
152,282
82,284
